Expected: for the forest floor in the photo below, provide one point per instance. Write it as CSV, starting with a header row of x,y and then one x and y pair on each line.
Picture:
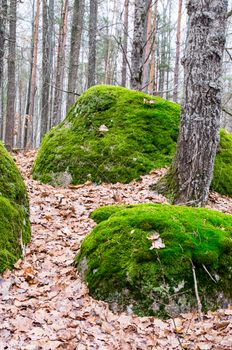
x,y
45,305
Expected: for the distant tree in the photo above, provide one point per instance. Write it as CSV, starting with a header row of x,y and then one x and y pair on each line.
x,y
93,11
11,90
3,15
125,42
192,169
75,44
60,64
177,59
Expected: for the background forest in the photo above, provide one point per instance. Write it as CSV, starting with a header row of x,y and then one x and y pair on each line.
x,y
52,51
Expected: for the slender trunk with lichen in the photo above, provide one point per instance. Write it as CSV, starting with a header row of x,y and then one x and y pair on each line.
x,y
92,56
192,169
139,43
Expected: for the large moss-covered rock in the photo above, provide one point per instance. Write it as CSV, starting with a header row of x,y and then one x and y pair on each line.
x,y
120,266
14,212
113,134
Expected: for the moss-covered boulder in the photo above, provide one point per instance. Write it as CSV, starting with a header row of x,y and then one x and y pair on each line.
x,y
121,262
14,212
112,134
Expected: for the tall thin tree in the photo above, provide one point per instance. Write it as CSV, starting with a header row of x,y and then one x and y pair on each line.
x,y
177,59
92,42
75,44
11,90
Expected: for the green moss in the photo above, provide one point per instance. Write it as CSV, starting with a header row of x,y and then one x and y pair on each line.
x,y
14,212
119,266
140,137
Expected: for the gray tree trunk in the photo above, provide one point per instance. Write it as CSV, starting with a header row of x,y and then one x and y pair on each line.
x,y
77,27
60,65
11,90
92,43
193,165
125,42
177,58
139,43
3,7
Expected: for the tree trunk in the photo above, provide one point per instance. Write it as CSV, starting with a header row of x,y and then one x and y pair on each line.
x,y
11,91
60,65
177,59
92,43
148,50
77,26
125,42
192,168
152,87
45,73
139,43
28,137
3,16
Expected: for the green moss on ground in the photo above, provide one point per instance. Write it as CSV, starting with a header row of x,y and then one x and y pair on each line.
x,y
14,212
141,136
119,266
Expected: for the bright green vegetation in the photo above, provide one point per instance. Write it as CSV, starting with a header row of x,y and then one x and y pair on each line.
x,y
141,136
14,212
119,266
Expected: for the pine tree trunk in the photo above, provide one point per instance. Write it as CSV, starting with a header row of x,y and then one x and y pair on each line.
x,y
77,26
92,43
60,65
139,43
3,16
177,59
125,42
192,168
11,90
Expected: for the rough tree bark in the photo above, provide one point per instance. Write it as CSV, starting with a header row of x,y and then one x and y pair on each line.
x,y
125,42
75,44
92,43
177,59
139,43
11,90
192,168
60,65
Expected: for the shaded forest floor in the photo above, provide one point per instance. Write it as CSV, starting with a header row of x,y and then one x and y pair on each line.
x,y
43,302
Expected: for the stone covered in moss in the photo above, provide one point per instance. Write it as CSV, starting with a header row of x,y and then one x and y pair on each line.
x,y
14,212
113,134
119,265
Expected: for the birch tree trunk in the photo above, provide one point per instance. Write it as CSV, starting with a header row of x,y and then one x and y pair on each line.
x,y
76,32
193,165
11,90
139,43
60,65
92,43
125,42
177,59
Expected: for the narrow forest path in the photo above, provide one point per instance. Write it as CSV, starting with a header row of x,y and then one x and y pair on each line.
x,y
43,302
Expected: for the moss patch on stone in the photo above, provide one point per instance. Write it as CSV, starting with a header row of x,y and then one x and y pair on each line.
x,y
14,212
140,135
119,266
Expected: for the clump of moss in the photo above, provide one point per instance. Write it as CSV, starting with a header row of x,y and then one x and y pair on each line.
x,y
112,134
14,212
119,266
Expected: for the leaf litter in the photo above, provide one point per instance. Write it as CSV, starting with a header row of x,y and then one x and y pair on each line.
x,y
45,305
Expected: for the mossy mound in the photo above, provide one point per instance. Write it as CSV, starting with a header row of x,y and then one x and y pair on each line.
x,y
14,212
113,134
119,265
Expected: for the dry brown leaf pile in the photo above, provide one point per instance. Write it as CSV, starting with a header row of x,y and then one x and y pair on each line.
x,y
43,302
